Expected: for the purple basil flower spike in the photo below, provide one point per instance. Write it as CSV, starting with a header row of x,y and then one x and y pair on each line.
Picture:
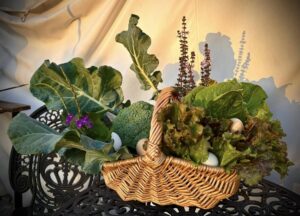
x,y
69,119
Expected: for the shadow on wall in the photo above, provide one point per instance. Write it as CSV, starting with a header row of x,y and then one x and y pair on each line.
x,y
225,66
222,56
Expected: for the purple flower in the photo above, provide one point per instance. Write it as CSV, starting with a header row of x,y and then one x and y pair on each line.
x,y
79,123
84,121
69,119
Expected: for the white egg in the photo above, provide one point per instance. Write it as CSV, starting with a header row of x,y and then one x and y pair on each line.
x,y
237,125
117,141
141,146
212,160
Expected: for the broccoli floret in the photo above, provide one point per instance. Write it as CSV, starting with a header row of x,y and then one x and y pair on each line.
x,y
133,123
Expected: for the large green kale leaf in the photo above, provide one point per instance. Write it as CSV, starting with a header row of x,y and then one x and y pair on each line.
x,y
96,89
32,137
144,64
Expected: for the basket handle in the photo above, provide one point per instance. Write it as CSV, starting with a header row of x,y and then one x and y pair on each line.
x,y
153,150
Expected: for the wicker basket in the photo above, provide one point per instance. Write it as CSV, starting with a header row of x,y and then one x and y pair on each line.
x,y
165,180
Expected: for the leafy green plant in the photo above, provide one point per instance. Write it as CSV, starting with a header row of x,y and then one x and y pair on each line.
x,y
85,95
259,148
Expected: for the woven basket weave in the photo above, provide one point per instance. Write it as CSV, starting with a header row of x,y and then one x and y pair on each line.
x,y
165,180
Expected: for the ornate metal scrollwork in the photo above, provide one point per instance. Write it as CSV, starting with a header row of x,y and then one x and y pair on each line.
x,y
54,182
19,171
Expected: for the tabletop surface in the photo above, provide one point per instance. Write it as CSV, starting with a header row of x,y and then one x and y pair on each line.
x,y
263,199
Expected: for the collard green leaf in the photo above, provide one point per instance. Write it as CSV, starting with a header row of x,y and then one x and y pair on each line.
x,y
94,159
190,97
92,144
110,92
99,131
254,97
227,105
144,64
97,89
75,156
210,93
32,137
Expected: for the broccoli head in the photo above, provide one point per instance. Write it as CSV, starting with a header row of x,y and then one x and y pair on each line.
x,y
133,123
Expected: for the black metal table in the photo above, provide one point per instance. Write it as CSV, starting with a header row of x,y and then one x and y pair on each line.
x,y
60,188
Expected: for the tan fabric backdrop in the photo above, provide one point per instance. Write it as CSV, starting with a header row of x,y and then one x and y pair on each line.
x,y
60,30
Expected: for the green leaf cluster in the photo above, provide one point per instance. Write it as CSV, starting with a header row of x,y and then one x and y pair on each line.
x,y
255,152
259,148
78,91
32,137
133,123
